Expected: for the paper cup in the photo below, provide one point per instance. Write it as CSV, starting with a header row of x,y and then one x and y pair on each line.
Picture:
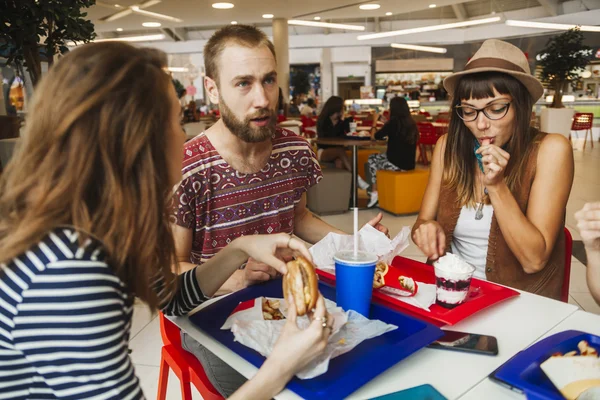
x,y
354,280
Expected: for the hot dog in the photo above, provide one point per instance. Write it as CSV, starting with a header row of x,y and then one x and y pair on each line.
x,y
301,281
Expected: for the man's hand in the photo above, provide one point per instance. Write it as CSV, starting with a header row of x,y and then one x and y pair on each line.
x,y
257,272
375,224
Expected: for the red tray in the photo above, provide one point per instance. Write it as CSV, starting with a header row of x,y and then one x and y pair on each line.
x,y
483,293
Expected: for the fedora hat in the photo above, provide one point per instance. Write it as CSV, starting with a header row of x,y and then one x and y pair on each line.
x,y
499,56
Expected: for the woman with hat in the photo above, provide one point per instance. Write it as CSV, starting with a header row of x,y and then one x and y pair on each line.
x,y
498,188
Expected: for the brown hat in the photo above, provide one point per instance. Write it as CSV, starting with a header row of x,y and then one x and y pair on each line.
x,y
496,55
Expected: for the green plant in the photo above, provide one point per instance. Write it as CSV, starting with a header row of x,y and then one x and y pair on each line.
x,y
562,59
28,26
178,88
299,81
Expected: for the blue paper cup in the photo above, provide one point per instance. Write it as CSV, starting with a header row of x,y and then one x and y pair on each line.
x,y
354,280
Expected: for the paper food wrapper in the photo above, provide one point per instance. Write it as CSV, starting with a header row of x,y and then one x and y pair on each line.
x,y
577,377
372,241
423,299
349,330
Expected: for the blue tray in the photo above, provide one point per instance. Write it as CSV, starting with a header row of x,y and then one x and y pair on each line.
x,y
347,372
423,392
523,373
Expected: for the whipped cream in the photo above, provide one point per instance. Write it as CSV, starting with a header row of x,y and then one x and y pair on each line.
x,y
452,263
451,296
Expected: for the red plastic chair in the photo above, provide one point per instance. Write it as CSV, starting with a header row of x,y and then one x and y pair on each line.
x,y
584,122
442,129
187,367
427,138
564,293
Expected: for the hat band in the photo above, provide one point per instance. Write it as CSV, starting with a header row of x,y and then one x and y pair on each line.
x,y
489,62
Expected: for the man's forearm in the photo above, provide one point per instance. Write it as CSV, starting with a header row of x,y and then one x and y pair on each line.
x,y
312,229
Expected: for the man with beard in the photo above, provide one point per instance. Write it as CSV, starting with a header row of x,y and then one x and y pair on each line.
x,y
243,176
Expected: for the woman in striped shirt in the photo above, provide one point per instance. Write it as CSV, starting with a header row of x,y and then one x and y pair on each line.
x,y
84,229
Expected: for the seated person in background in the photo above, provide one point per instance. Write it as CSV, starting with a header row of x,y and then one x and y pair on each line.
x,y
84,230
243,176
498,188
331,125
589,226
294,111
309,108
402,133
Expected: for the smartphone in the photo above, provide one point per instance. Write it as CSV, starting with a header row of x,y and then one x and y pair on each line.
x,y
468,342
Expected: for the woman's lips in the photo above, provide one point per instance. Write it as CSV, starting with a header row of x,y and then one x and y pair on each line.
x,y
487,140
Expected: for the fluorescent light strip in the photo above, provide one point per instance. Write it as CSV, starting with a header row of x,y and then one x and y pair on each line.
x,y
178,69
439,50
547,25
138,10
146,38
302,22
429,28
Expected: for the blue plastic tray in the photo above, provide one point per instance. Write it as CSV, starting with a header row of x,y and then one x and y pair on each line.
x,y
347,372
523,372
423,392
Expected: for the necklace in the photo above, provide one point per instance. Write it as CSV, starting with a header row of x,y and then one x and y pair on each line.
x,y
484,192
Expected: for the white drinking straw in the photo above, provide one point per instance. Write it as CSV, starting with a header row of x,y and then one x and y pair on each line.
x,y
355,231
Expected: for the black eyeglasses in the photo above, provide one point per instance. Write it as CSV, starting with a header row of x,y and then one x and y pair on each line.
x,y
494,111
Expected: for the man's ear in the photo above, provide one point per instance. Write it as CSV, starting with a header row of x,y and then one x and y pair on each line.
x,y
212,89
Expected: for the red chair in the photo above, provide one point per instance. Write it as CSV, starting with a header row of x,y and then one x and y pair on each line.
x,y
187,367
441,126
281,118
564,293
584,122
427,137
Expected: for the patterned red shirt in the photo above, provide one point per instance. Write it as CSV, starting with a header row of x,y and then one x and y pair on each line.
x,y
220,204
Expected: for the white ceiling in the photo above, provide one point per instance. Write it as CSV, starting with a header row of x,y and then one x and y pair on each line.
x,y
199,13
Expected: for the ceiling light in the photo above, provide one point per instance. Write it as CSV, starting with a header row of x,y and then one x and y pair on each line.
x,y
119,29
317,18
222,6
546,25
151,24
326,25
268,16
432,5
138,10
145,38
439,50
429,28
178,69
233,22
118,5
370,6
388,13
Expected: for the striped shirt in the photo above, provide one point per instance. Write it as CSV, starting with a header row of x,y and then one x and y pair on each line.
x,y
65,319
220,204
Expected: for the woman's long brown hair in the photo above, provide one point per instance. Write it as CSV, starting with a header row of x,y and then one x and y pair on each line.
x,y
93,156
460,164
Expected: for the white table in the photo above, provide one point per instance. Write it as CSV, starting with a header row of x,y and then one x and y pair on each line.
x,y
516,323
579,320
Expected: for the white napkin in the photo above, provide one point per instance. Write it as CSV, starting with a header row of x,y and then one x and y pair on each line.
x,y
349,330
424,298
370,240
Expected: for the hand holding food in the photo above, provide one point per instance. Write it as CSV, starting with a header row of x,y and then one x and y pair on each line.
x,y
300,286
